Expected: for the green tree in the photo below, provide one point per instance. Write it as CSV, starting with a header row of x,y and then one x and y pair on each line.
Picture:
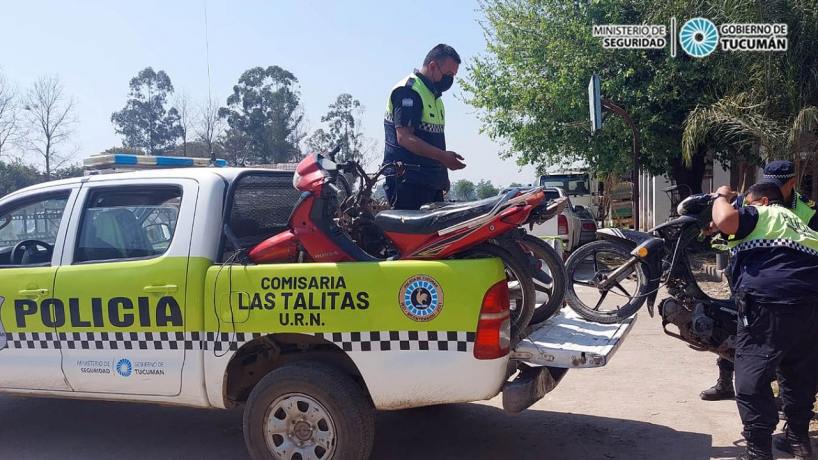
x,y
144,122
343,123
16,175
265,112
463,190
775,104
531,86
72,170
485,189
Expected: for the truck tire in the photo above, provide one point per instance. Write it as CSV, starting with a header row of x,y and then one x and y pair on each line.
x,y
308,410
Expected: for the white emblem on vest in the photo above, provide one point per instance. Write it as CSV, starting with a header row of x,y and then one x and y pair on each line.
x,y
407,102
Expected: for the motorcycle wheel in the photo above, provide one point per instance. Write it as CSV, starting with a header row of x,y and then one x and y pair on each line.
x,y
587,267
548,275
520,285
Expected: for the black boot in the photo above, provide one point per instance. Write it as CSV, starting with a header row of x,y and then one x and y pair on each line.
x,y
723,389
759,450
797,445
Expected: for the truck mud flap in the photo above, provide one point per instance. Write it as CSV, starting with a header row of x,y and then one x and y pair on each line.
x,y
568,341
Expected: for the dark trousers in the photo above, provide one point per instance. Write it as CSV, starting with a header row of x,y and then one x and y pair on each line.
x,y
725,367
409,196
778,337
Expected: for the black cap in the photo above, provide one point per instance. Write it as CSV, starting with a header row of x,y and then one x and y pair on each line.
x,y
778,172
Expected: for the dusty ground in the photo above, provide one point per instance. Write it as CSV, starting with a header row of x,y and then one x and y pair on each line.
x,y
643,405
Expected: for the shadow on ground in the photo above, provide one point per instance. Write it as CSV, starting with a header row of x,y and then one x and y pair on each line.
x,y
36,428
477,431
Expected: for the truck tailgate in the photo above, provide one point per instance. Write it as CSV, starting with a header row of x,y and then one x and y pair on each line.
x,y
566,340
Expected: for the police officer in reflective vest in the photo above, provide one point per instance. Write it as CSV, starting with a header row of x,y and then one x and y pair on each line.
x,y
774,273
414,132
781,173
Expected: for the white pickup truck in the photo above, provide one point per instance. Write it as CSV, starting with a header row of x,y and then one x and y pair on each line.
x,y
566,226
128,287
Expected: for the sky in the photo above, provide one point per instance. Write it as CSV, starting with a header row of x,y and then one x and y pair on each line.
x,y
359,47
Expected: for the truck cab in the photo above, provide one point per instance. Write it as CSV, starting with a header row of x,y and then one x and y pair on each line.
x,y
135,287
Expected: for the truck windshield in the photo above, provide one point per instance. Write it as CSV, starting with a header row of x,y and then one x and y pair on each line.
x,y
573,184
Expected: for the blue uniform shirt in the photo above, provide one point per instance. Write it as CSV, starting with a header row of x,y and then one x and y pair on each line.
x,y
773,273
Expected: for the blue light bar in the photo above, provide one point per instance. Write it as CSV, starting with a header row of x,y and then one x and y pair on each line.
x,y
148,161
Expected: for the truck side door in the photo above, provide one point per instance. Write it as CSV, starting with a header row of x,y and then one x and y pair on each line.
x,y
124,285
32,231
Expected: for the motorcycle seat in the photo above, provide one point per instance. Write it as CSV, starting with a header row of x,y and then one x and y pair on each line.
x,y
425,221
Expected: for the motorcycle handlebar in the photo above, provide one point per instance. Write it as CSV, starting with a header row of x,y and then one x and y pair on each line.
x,y
331,154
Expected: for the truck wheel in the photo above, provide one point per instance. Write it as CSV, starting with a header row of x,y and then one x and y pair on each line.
x,y
306,411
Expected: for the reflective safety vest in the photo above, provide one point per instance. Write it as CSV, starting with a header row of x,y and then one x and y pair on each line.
x,y
431,130
802,208
778,226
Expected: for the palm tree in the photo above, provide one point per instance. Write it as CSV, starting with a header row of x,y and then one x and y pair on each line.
x,y
773,107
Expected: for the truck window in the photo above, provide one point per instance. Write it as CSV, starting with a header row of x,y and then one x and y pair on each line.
x,y
31,219
260,206
573,184
128,223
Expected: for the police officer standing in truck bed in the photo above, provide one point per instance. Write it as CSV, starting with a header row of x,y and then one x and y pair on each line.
x,y
414,132
774,273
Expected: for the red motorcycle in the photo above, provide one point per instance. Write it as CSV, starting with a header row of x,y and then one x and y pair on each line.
x,y
330,223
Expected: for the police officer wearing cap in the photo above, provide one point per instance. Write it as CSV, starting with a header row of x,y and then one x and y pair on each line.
x,y
782,174
414,132
773,273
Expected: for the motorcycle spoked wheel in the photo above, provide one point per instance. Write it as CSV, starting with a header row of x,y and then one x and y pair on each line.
x,y
548,275
520,285
589,265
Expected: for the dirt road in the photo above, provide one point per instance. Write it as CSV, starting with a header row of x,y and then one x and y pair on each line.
x,y
643,405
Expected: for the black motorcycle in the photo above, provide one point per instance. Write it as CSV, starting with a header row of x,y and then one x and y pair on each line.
x,y
624,268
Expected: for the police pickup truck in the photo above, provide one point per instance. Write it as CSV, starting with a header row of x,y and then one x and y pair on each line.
x,y
128,287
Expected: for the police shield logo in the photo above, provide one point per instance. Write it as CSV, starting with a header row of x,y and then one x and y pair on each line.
x,y
421,298
3,338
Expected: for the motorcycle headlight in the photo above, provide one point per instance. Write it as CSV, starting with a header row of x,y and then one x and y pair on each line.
x,y
296,178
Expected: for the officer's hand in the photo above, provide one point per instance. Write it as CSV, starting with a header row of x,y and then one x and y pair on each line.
x,y
452,161
710,230
727,192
